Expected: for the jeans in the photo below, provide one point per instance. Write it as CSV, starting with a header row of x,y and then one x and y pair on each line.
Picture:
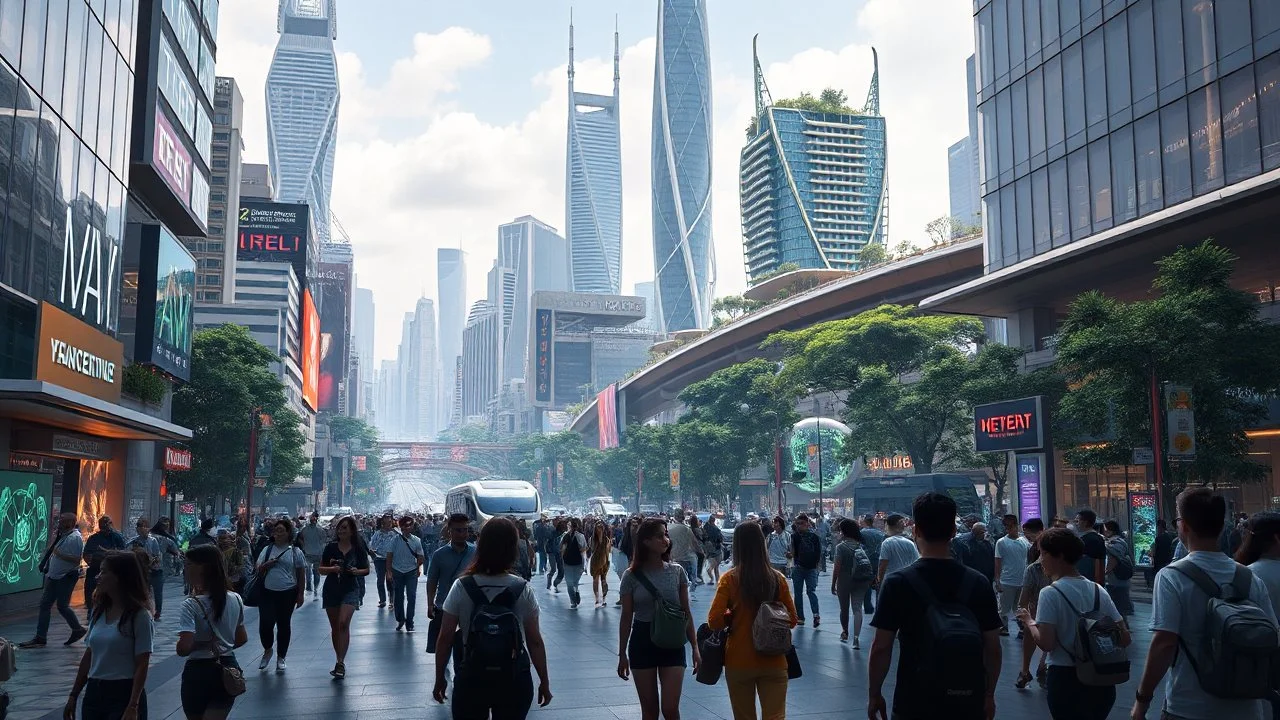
x,y
1008,598
770,684
57,592
555,572
573,573
800,578
689,569
157,590
380,569
1069,699
542,561
867,606
405,584
313,573
108,699
1120,596
275,618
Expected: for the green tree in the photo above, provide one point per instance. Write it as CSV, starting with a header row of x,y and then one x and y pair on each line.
x,y
897,371
873,253
830,100
545,451
651,448
727,309
229,380
1195,330
370,488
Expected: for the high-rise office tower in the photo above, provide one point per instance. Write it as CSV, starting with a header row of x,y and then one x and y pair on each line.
x,y
362,329
645,290
531,256
683,255
812,181
964,183
451,283
386,404
480,355
593,185
216,254
425,369
302,106
256,182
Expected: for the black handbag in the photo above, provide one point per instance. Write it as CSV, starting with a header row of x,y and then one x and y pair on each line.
x,y
793,664
253,587
711,645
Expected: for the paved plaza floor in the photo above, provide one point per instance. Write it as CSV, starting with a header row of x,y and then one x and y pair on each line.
x,y
389,674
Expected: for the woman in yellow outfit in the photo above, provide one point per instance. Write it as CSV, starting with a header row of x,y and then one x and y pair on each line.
x,y
751,582
598,548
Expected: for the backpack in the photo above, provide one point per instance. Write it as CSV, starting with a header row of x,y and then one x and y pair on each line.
x,y
1240,652
572,550
669,628
950,649
771,629
808,550
863,571
1124,566
1099,658
495,645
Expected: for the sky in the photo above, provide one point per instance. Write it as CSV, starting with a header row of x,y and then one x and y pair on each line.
x,y
453,116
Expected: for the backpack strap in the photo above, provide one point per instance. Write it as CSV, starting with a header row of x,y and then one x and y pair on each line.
x,y
1242,583
648,585
472,588
1097,598
1202,579
1067,600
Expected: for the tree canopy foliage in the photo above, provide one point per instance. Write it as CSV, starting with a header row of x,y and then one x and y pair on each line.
x,y
369,488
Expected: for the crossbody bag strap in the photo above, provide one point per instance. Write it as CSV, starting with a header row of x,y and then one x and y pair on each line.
x,y
218,641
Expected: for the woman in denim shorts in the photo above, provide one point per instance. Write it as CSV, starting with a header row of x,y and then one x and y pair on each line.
x,y
343,563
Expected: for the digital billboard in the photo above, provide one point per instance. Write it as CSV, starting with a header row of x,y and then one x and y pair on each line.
x,y
333,287
310,352
24,529
607,416
274,232
542,334
167,267
1009,425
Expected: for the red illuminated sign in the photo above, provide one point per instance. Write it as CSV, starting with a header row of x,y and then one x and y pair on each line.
x,y
263,242
1009,425
177,459
310,352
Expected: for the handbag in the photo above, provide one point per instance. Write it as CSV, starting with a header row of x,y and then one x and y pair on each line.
x,y
668,629
232,676
711,644
793,664
254,587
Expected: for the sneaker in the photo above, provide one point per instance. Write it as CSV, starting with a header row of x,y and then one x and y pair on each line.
x,y
32,644
399,626
618,604
573,606
800,621
557,589
382,605
76,635
281,666
817,621
265,661
408,627
856,646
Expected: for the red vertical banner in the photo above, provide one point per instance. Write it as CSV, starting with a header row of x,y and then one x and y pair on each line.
x,y
607,416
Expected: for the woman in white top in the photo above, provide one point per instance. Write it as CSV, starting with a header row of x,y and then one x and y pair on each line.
x,y
282,591
482,686
1054,627
113,668
209,631
778,544
1261,552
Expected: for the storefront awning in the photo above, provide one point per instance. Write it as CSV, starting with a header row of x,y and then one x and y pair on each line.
x,y
44,403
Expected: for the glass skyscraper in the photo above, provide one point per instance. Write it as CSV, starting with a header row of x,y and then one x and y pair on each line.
x,y
593,180
683,255
302,107
812,184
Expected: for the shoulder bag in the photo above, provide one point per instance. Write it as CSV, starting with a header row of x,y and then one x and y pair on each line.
x,y
254,586
232,676
669,621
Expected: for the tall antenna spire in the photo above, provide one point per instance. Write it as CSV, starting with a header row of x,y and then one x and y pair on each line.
x,y
571,50
763,99
617,58
873,92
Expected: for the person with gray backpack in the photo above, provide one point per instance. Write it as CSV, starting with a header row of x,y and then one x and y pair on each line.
x,y
1079,626
1214,630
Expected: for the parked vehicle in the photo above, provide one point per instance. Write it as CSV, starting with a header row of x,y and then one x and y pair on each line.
x,y
491,497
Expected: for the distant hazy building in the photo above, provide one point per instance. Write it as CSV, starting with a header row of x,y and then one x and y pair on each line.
x,y
426,380
963,181
593,185
362,332
812,183
302,106
256,182
387,404
683,253
645,290
480,360
532,256
451,285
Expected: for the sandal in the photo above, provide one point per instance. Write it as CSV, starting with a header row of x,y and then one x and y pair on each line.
x,y
1024,679
339,671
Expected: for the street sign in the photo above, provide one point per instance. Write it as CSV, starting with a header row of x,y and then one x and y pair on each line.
x,y
178,497
1179,406
675,474
1143,456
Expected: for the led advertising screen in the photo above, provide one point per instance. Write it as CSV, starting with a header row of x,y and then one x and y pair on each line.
x,y
1009,425
274,232
607,416
542,356
310,351
175,291
333,288
1142,525
24,529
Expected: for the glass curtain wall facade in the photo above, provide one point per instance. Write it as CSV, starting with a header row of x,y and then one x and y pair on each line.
x,y
683,255
302,107
66,87
1098,113
593,175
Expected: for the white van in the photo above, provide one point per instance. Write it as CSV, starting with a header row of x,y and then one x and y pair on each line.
x,y
487,498
606,508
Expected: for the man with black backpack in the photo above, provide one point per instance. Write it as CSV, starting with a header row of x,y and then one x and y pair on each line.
x,y
806,553
946,616
1214,630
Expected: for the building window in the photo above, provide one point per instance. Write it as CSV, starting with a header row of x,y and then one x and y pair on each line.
x,y
1146,141
1018,96
1058,205
1142,57
1124,192
1231,20
1266,26
1241,155
1009,224
1031,19
1198,40
220,163
1206,138
1041,234
1001,32
1026,213
1169,65
1177,153
218,181
1118,100
1078,182
1095,83
1100,183
1004,117
1017,48
1053,110
1036,119
1073,96
1268,71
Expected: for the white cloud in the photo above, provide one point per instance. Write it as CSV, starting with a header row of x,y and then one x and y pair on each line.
x,y
415,172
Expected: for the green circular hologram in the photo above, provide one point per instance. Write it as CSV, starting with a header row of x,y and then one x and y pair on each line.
x,y
829,436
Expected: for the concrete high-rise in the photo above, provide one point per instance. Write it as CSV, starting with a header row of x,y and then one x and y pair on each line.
x,y
362,331
426,381
216,254
593,185
451,285
531,256
302,106
683,254
480,357
256,182
812,181
964,183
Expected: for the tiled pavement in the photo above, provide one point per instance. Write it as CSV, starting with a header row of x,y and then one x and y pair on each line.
x,y
390,675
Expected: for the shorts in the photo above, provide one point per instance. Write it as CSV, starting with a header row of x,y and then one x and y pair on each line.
x,y
332,600
202,688
642,654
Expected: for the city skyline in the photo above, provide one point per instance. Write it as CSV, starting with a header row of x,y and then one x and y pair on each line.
x,y
394,155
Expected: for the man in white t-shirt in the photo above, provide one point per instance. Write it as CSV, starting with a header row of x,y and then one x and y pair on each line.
x,y
897,551
1178,618
61,568
1011,565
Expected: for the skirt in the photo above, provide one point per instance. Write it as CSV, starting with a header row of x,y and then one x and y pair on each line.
x,y
644,655
202,688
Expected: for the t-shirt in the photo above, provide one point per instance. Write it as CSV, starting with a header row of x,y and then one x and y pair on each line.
x,y
114,649
1095,548
284,574
1269,571
193,621
335,586
848,556
405,552
899,552
778,545
446,565
683,543
458,602
1053,610
1178,606
667,583
901,610
1013,560
70,544
1033,581
1119,549
872,539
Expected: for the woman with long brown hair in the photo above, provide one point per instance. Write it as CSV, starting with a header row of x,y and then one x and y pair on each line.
x,y
343,562
751,583
117,654
658,671
209,631
598,548
508,607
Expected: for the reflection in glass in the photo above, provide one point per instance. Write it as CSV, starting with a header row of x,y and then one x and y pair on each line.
x,y
1197,31
1100,183
1124,191
1041,236
1053,111
55,52
1035,111
1073,90
1206,138
1268,74
1176,150
1117,38
1078,185
1095,79
1058,207
1142,51
1025,213
33,25
73,79
1169,65
1241,155
1146,147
